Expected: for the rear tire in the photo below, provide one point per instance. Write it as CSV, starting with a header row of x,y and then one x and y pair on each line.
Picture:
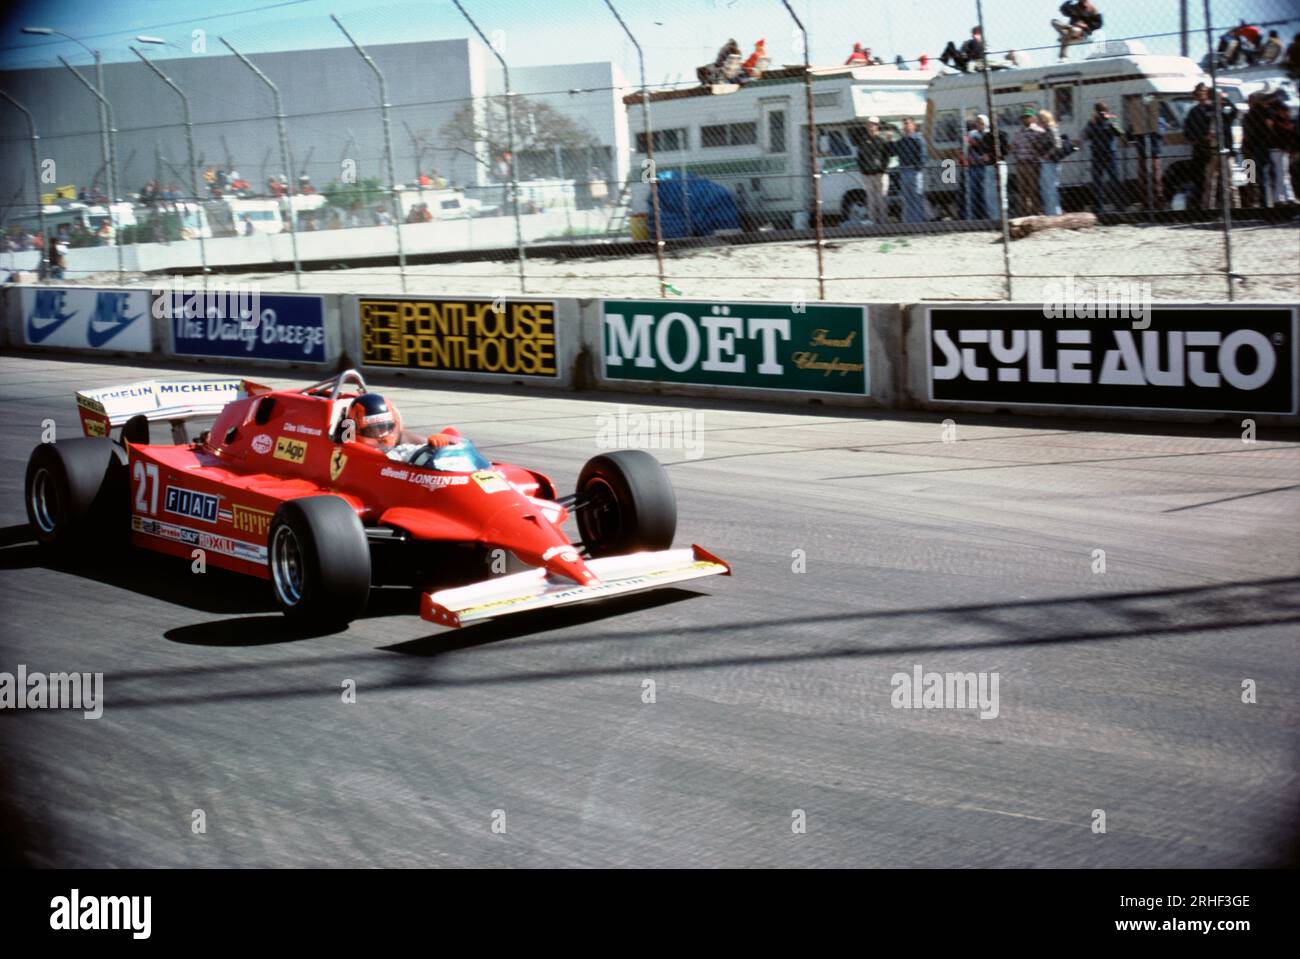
x,y
319,562
75,490
629,504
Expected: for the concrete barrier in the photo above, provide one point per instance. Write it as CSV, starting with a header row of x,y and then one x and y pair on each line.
x,y
1194,363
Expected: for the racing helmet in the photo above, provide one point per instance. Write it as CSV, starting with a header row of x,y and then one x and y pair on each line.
x,y
377,421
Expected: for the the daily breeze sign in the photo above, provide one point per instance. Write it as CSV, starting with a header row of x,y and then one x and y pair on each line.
x,y
268,326
775,346
1239,359
86,319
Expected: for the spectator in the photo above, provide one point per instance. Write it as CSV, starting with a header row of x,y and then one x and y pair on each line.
x,y
971,51
900,63
972,175
724,68
1272,48
990,151
1256,140
246,226
858,58
1241,42
757,61
911,153
874,152
1149,138
1197,129
1053,148
1293,58
1213,183
1026,157
104,235
58,255
1082,20
425,181
1283,141
924,62
1101,133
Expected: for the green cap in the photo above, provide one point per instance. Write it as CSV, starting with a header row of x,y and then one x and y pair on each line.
x,y
1029,112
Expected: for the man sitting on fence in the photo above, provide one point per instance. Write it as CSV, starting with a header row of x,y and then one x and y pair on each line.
x,y
724,68
1082,20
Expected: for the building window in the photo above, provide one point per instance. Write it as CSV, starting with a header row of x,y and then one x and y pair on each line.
x,y
776,131
665,141
729,134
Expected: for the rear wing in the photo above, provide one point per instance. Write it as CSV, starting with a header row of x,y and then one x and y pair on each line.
x,y
172,401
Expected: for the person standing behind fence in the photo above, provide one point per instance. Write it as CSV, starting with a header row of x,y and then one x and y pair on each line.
x,y
1053,148
1025,155
874,152
1100,134
911,153
989,152
1280,147
1256,136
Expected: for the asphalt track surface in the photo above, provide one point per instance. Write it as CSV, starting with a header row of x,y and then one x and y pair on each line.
x,y
1118,691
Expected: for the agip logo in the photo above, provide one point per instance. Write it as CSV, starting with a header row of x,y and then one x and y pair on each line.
x,y
295,451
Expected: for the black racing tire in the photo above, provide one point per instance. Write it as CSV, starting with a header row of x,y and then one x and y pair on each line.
x,y
319,562
75,491
628,504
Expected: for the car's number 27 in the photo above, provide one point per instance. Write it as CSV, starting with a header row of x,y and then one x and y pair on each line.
x,y
146,480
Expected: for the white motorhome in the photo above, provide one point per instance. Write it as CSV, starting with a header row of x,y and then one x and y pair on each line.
x,y
755,135
1121,75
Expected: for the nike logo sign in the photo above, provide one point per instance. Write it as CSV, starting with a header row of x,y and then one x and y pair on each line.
x,y
47,315
110,318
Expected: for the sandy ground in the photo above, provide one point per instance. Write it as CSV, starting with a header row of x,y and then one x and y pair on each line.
x,y
1181,262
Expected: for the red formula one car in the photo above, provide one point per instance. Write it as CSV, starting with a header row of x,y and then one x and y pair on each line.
x,y
320,491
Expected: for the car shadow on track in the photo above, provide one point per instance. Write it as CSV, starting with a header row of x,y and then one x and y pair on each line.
x,y
141,571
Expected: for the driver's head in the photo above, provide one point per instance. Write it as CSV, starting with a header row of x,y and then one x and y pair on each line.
x,y
377,421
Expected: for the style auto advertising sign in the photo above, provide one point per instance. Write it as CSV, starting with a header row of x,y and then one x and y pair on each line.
x,y
269,326
87,319
1238,359
809,348
509,337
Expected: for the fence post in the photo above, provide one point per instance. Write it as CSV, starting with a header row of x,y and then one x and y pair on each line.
x,y
813,172
189,147
1000,163
510,144
284,157
36,179
388,150
1223,151
109,137
649,152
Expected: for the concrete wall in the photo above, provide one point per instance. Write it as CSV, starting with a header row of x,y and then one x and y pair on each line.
x,y
897,350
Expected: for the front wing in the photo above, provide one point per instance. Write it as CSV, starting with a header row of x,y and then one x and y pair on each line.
x,y
535,589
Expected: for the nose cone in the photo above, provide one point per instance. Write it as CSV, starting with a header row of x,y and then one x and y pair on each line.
x,y
522,529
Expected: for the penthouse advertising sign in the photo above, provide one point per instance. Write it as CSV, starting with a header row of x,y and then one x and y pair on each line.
x,y
503,336
1208,359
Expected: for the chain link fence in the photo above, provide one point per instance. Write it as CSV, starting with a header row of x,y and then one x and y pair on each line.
x,y
700,148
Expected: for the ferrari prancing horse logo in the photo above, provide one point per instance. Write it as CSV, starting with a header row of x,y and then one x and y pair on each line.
x,y
337,462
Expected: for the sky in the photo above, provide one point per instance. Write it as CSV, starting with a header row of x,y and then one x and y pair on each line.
x,y
675,35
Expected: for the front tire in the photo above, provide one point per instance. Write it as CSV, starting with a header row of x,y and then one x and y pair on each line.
x,y
319,562
628,504
70,490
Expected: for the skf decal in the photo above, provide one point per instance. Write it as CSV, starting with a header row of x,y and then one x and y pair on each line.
x,y
295,451
337,462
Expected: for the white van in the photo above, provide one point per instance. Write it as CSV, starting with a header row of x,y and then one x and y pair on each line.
x,y
1120,75
755,135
